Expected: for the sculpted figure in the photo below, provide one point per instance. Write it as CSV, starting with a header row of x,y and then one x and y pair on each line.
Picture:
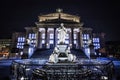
x,y
62,31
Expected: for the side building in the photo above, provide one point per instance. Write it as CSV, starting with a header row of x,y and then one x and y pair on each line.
x,y
5,47
45,35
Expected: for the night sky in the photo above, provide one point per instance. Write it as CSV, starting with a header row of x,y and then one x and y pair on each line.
x,y
101,15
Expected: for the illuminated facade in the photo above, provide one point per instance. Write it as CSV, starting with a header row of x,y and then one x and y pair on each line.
x,y
45,35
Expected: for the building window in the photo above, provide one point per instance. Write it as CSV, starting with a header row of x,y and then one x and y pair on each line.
x,y
51,42
19,39
29,36
67,36
43,41
75,41
43,36
32,36
23,39
85,42
17,46
20,45
84,37
34,41
87,36
17,43
20,42
51,36
75,36
97,45
66,41
96,40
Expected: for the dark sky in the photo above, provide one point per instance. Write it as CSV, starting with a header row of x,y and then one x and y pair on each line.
x,y
101,15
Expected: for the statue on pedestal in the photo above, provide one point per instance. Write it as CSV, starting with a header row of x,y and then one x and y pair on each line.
x,y
62,51
28,41
62,31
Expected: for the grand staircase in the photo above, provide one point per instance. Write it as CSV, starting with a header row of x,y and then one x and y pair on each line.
x,y
45,53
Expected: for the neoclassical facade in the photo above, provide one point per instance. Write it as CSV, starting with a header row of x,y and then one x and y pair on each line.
x,y
45,34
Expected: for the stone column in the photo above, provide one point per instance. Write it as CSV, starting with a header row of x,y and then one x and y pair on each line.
x,y
40,45
54,37
38,39
78,39
81,39
72,37
48,39
46,29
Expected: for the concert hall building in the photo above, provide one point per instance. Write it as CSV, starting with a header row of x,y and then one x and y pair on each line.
x,y
45,35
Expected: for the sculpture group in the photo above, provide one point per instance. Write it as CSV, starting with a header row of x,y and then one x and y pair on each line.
x,y
62,51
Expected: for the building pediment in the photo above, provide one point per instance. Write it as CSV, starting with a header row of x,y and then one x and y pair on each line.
x,y
59,15
59,21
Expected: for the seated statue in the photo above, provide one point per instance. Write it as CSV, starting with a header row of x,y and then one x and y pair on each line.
x,y
56,50
68,51
53,58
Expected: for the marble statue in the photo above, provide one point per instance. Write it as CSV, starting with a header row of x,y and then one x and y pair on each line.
x,y
62,31
61,52
89,42
56,50
53,58
29,41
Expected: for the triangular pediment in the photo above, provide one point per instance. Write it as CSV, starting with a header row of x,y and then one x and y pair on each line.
x,y
62,16
59,21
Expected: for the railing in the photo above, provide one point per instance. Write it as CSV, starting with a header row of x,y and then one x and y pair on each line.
x,y
83,69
